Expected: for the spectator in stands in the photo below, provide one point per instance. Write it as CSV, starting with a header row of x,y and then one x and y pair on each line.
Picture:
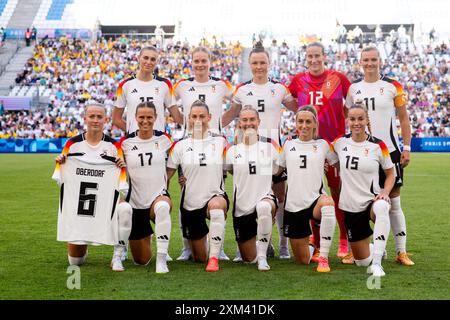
x,y
34,34
28,37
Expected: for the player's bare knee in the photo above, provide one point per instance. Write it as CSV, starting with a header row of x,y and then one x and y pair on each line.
x,y
326,201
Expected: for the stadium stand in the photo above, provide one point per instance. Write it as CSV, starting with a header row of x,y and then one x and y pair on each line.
x,y
7,8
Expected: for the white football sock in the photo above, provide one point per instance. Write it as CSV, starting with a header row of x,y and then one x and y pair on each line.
x,y
311,252
264,230
398,225
124,212
163,226
283,241
327,226
381,229
216,230
77,261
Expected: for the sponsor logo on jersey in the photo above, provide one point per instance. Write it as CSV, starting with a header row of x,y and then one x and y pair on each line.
x,y
272,92
366,152
315,148
156,91
156,145
358,92
381,91
191,89
189,149
238,156
134,148
292,149
249,94
328,84
345,149
213,88
134,90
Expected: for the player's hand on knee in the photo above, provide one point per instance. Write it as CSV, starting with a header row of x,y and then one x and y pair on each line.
x,y
383,196
61,158
120,163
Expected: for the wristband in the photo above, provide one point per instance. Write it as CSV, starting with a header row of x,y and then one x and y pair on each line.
x,y
407,148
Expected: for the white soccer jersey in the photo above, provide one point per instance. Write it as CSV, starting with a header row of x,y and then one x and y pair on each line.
x,y
133,91
146,166
213,93
253,167
359,164
304,161
381,99
88,201
267,99
202,162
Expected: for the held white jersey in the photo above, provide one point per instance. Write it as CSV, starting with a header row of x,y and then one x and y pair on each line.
x,y
304,163
213,93
381,99
267,99
202,162
146,166
253,167
359,164
88,201
133,91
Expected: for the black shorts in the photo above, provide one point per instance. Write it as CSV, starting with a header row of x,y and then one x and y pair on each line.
x,y
193,223
395,157
358,224
296,224
279,178
245,227
140,227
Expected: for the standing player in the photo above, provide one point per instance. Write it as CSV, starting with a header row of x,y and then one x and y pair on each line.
x,y
213,92
360,157
267,96
92,223
326,90
200,156
304,158
384,97
145,153
252,161
145,86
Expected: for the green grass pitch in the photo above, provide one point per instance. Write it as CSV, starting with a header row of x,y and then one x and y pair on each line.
x,y
33,264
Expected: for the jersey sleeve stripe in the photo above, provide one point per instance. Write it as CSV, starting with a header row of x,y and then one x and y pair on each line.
x,y
172,147
120,88
169,84
229,86
168,137
177,84
237,88
384,149
276,146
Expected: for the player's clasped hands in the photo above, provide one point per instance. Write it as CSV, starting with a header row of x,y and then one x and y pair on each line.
x,y
120,163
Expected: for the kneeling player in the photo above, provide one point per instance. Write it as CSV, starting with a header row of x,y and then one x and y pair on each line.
x,y
145,154
360,157
304,158
90,179
253,161
200,157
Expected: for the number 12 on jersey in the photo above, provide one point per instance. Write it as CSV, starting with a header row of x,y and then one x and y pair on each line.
x,y
316,98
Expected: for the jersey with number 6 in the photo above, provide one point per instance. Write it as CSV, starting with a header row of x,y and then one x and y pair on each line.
x,y
253,167
133,91
359,164
146,165
213,93
202,162
267,99
304,162
381,99
327,93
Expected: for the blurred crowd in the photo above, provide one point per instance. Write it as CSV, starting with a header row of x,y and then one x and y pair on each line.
x,y
76,71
